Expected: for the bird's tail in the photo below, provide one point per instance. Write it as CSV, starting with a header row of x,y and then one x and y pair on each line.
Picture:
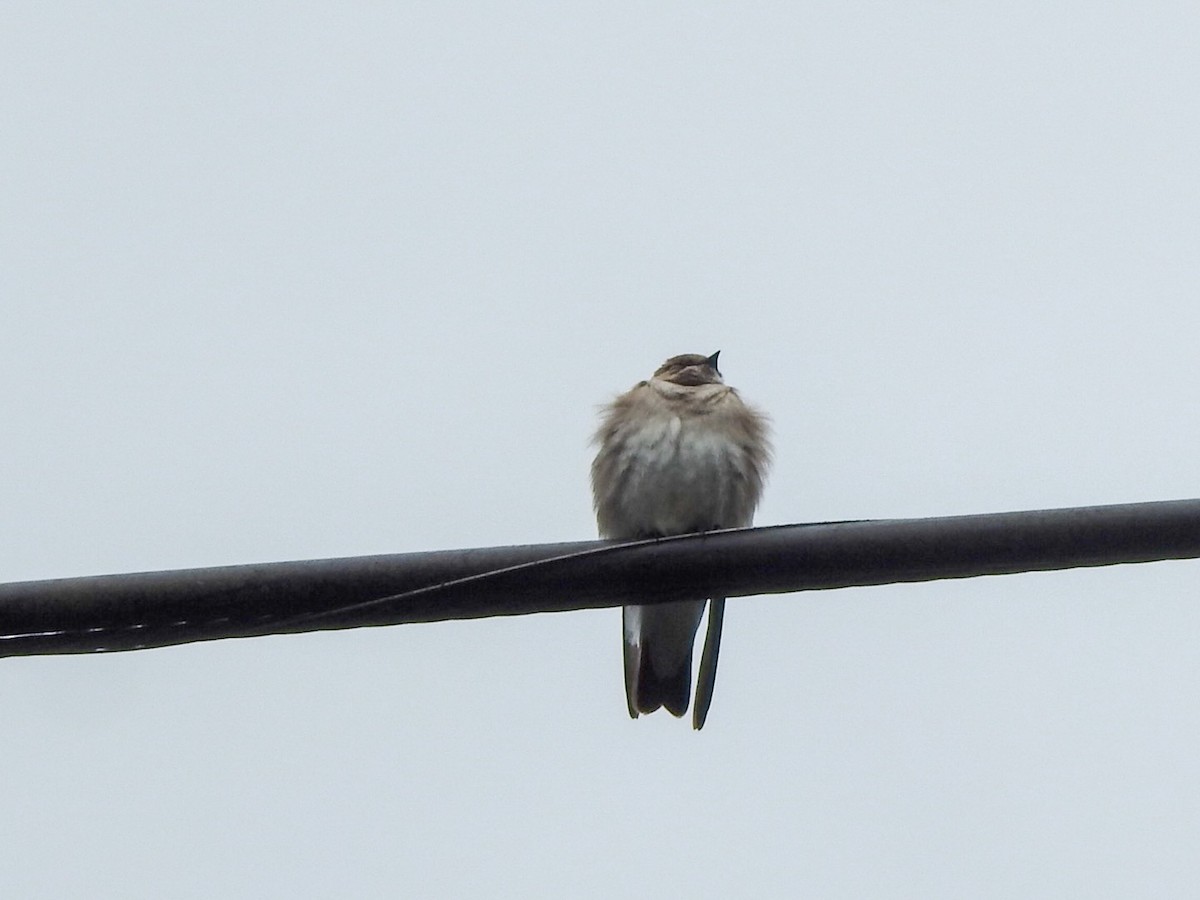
x,y
658,655
658,658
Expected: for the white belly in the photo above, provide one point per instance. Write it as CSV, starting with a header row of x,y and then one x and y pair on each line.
x,y
678,476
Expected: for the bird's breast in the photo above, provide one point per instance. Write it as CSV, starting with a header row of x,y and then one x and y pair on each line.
x,y
677,475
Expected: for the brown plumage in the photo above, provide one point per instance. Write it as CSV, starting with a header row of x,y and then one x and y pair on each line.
x,y
679,453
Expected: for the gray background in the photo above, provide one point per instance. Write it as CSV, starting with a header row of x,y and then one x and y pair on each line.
x,y
298,281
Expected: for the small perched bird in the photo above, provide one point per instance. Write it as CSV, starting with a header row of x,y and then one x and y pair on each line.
x,y
679,453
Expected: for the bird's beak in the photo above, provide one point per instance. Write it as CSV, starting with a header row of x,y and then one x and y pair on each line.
x,y
712,361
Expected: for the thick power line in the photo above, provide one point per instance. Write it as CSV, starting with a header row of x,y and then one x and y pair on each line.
x,y
154,609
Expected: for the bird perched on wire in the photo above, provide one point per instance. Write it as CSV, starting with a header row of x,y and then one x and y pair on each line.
x,y
679,453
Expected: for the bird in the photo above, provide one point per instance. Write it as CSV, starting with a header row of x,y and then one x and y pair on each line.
x,y
678,453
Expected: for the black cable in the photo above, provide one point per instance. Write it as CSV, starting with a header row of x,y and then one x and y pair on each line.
x,y
128,612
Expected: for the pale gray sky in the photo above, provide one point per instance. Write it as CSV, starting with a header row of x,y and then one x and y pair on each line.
x,y
296,281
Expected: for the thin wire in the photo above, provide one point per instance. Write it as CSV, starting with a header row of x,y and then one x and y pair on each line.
x,y
483,577
478,577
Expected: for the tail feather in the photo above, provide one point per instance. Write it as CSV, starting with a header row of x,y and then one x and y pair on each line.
x,y
658,658
707,679
672,693
633,664
646,690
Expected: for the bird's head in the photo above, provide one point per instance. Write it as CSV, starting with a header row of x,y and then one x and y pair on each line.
x,y
690,370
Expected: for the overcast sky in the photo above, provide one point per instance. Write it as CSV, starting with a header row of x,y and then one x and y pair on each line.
x,y
298,281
